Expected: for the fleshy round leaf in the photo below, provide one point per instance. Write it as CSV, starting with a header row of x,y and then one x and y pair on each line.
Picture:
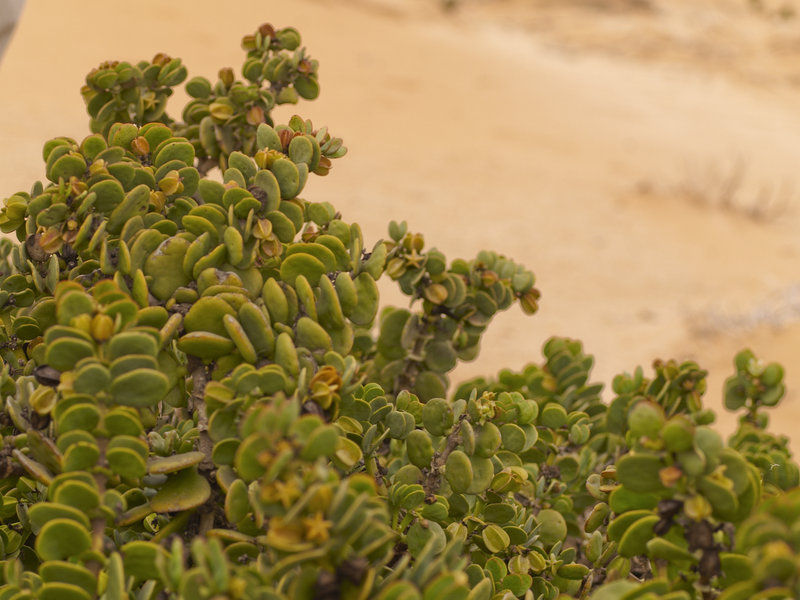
x,y
347,453
495,539
302,264
482,474
722,499
81,456
419,448
141,559
126,463
62,591
62,538
634,541
132,342
73,304
59,571
140,387
660,547
517,583
78,494
639,472
42,513
618,527
237,503
91,379
224,452
205,345
420,534
174,463
123,421
182,491
206,315
247,461
499,513
82,416
552,526
63,353
323,441
458,471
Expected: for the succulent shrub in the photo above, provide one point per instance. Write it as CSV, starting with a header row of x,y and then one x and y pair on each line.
x,y
201,397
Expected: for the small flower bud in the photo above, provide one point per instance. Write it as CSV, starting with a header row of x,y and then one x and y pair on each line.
x,y
396,267
140,146
98,166
255,115
697,508
158,200
160,59
286,136
266,30
102,327
226,76
171,183
249,43
436,293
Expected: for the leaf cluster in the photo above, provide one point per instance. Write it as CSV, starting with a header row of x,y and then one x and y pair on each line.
x,y
201,396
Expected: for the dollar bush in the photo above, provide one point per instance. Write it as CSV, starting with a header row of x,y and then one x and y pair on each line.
x,y
202,399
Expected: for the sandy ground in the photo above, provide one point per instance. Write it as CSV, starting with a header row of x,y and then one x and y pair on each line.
x,y
639,155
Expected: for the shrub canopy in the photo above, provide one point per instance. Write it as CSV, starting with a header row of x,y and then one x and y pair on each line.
x,y
201,398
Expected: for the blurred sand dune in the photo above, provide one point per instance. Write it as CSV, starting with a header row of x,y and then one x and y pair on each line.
x,y
597,142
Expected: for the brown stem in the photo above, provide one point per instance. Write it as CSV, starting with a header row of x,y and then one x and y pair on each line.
x,y
433,475
408,377
380,474
197,404
206,522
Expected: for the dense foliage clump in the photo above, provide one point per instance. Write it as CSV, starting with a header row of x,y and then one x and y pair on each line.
x,y
202,399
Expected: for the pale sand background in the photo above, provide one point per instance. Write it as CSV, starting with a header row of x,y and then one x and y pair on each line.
x,y
592,140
